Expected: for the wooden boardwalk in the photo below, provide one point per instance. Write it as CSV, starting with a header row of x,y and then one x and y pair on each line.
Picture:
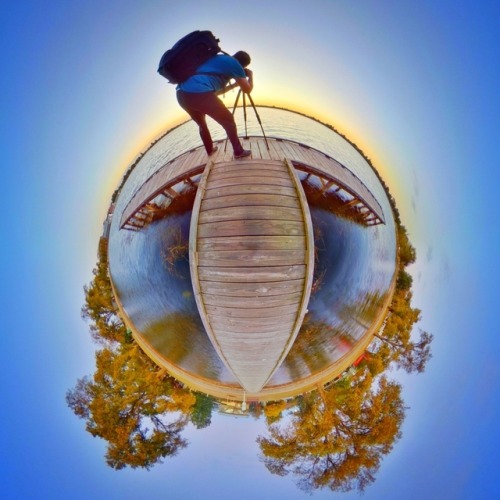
x,y
251,254
330,176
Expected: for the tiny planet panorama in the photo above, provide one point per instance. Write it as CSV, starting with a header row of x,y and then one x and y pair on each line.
x,y
256,279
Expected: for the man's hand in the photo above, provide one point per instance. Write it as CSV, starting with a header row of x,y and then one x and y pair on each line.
x,y
246,84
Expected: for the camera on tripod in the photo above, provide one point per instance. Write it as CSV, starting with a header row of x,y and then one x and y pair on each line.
x,y
245,95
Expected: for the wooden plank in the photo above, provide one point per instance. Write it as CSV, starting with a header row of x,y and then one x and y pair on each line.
x,y
182,165
256,290
253,323
248,163
264,188
288,150
265,153
351,203
276,150
246,340
247,349
254,148
327,185
252,212
178,167
246,369
254,327
238,243
193,259
251,228
157,182
328,168
313,157
249,200
171,193
256,275
301,153
225,153
199,157
270,302
249,258
277,311
291,150
237,330
256,341
304,155
231,168
178,171
253,177
235,164
310,156
285,150
225,171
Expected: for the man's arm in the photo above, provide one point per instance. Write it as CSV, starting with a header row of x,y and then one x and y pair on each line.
x,y
246,84
227,88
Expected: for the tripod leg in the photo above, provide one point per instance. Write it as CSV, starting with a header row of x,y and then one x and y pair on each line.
x,y
245,114
234,109
258,119
237,99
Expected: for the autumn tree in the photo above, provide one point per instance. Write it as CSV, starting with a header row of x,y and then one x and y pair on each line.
x,y
404,281
337,438
138,409
255,408
396,343
129,402
274,411
201,412
100,308
406,252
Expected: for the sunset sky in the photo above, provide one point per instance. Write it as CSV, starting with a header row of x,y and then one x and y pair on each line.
x,y
414,84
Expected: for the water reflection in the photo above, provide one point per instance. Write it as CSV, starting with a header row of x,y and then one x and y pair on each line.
x,y
333,429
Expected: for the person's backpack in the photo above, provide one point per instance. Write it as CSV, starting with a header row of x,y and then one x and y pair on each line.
x,y
181,61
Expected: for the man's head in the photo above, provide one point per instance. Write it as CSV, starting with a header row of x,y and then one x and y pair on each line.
x,y
242,57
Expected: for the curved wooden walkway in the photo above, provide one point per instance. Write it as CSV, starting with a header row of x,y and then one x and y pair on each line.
x,y
329,175
251,254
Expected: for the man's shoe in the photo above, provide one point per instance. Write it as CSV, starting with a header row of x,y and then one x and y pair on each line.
x,y
243,154
214,150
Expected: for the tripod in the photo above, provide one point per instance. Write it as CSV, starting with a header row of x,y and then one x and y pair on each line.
x,y
245,115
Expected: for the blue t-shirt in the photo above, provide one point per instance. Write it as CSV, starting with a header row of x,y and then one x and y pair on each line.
x,y
221,68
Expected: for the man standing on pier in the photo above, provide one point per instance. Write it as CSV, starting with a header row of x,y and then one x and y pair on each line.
x,y
198,96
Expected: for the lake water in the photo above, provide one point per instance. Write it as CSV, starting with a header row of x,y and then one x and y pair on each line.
x,y
353,269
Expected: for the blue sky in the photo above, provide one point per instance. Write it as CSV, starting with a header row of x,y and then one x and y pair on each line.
x,y
414,84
